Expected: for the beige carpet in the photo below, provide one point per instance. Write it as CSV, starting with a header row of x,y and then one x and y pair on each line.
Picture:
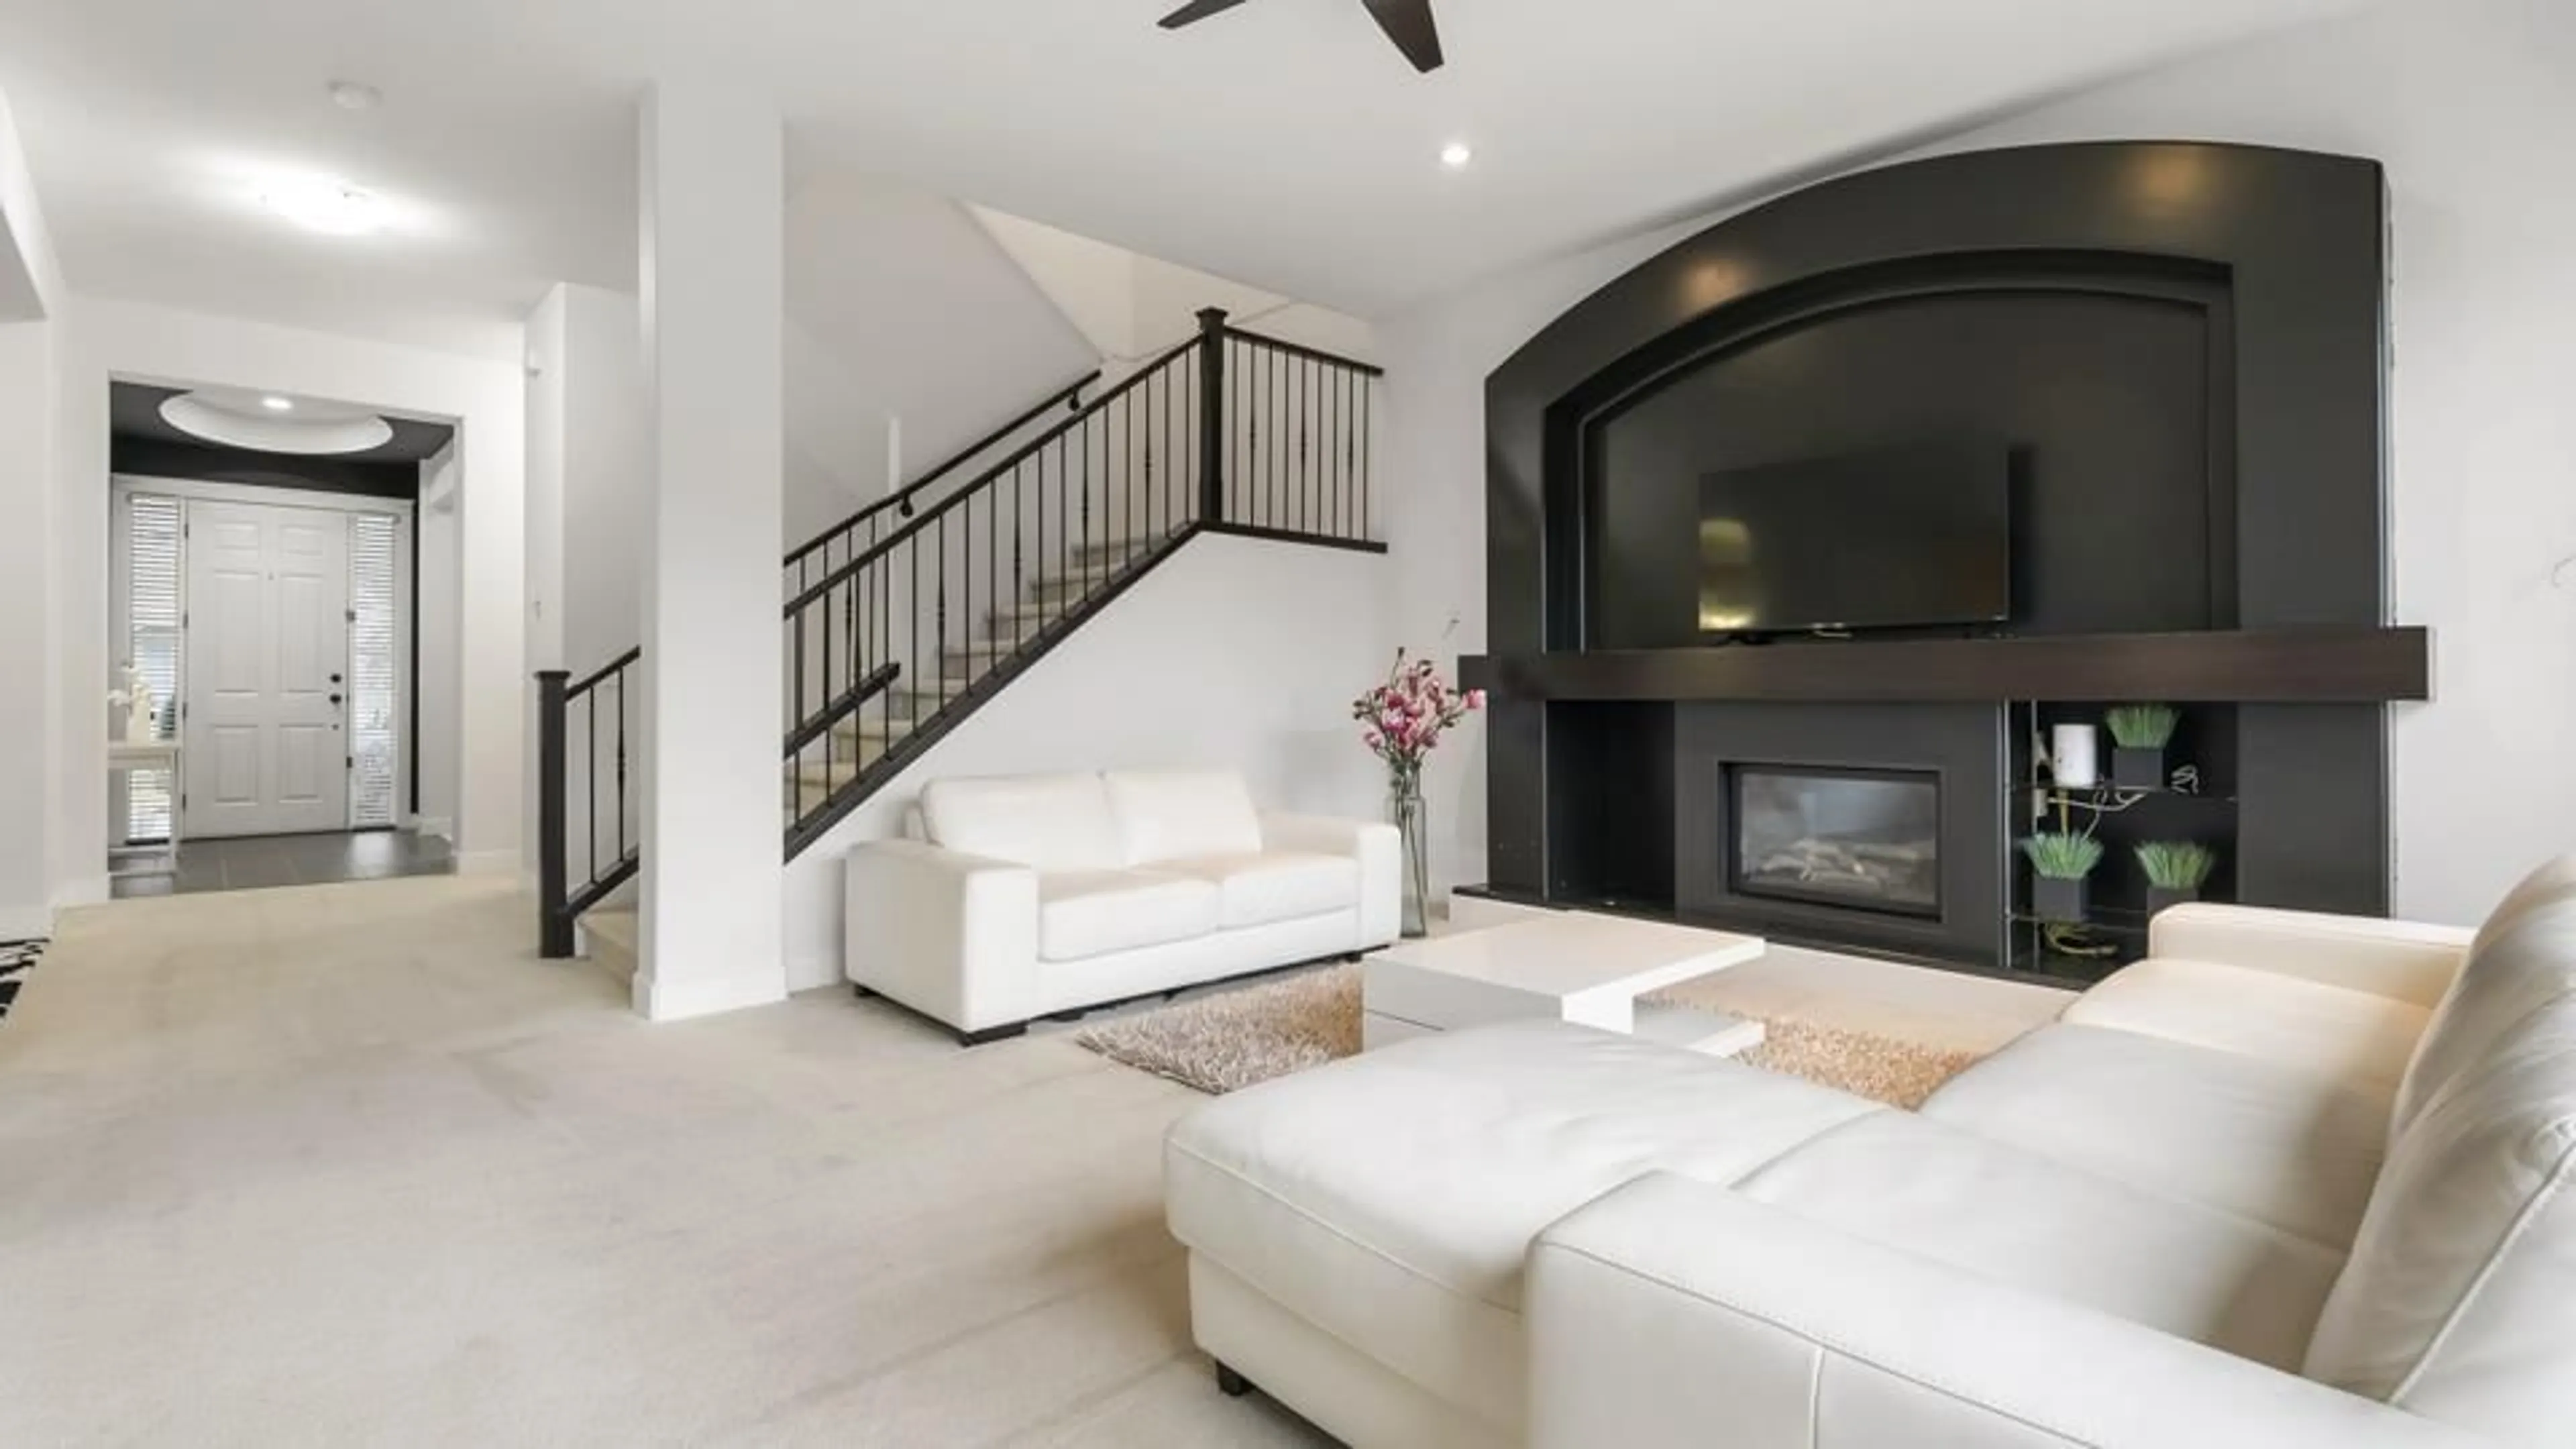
x,y
347,1165
1230,1041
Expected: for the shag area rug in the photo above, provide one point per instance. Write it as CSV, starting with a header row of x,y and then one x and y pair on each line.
x,y
16,959
1232,1040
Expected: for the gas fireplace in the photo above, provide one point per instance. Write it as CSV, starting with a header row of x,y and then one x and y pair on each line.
x,y
1865,839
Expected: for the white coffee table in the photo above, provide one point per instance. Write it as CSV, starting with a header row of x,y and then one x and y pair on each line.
x,y
1575,967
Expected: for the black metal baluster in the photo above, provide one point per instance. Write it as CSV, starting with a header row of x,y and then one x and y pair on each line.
x,y
1368,396
590,781
621,763
1019,559
1127,487
939,628
1279,439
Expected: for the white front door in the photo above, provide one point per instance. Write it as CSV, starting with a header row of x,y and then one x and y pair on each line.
x,y
268,654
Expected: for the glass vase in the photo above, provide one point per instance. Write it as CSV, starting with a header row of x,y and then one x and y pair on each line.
x,y
1411,817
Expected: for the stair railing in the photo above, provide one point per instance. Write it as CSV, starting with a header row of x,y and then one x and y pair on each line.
x,y
1230,431
841,542
924,604
583,776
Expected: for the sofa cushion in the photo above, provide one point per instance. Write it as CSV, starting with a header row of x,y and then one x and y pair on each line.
x,y
2285,1020
2455,1304
1390,1199
1045,822
2524,955
2276,1144
1256,890
1092,913
1176,814
2021,1219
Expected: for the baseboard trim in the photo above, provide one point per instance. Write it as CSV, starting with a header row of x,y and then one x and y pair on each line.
x,y
813,971
660,1001
27,923
87,891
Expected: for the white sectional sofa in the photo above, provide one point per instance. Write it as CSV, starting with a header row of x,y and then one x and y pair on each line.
x,y
1031,896
2293,1180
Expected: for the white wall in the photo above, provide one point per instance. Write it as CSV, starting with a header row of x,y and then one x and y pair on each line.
x,y
441,713
587,491
900,305
1132,306
2471,106
27,728
1231,653
32,829
485,397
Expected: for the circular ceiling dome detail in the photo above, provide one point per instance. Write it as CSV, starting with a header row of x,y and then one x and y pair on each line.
x,y
245,420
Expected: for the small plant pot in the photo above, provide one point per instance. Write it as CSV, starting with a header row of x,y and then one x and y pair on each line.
x,y
2159,897
2058,899
2138,769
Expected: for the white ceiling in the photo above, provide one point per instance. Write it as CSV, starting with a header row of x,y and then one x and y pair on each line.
x,y
1284,143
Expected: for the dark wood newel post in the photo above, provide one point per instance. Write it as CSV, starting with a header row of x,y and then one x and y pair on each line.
x,y
1212,415
554,917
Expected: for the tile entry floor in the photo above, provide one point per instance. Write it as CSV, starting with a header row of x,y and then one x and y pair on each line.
x,y
255,862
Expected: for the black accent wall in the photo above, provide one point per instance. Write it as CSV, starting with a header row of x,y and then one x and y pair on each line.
x,y
2183,344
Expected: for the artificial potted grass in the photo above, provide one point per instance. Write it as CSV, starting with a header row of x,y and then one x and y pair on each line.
x,y
2059,862
2176,870
2139,734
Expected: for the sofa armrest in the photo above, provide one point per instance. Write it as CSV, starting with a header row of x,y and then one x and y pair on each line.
x,y
951,935
1372,843
1675,1313
2401,960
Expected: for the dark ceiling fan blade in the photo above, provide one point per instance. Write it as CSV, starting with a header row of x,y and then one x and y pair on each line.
x,y
1196,11
1409,24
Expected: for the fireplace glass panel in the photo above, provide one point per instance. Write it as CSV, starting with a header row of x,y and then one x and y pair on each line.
x,y
1864,839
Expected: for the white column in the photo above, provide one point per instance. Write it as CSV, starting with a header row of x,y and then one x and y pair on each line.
x,y
27,753
714,207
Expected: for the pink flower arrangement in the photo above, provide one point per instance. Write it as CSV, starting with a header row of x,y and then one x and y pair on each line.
x,y
1402,720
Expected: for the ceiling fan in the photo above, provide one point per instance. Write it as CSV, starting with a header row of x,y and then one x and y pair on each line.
x,y
1406,22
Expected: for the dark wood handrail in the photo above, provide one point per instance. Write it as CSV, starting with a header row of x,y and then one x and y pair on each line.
x,y
851,702
593,679
902,498
1039,444
1311,354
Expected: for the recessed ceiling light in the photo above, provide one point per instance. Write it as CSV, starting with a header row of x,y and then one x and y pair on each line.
x,y
277,404
351,95
326,206
1456,155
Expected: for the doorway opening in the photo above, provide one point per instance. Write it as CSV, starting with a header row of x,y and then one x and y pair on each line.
x,y
265,626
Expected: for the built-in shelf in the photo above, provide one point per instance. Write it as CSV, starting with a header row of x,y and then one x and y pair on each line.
x,y
2119,919
2110,796
2251,666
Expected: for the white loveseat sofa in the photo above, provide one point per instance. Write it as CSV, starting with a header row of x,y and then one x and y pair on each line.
x,y
2294,1180
1036,895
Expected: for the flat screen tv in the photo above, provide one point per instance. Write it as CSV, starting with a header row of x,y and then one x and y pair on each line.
x,y
1916,535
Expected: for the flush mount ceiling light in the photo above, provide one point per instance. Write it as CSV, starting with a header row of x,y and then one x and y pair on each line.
x,y
260,421
1456,155
351,95
333,208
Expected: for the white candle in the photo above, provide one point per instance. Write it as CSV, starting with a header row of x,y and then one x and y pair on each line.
x,y
2074,759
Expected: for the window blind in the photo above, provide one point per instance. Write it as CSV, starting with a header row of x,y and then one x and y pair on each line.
x,y
375,670
153,544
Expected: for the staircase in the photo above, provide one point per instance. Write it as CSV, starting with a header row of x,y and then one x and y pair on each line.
x,y
903,620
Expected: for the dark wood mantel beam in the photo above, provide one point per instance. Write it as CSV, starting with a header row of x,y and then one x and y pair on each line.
x,y
2254,666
